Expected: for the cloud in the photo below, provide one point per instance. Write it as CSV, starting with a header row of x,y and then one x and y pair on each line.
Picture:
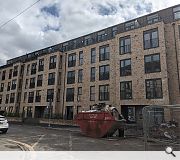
x,y
51,22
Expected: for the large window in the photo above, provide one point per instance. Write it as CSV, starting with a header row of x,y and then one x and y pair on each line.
x,y
13,86
69,94
176,11
10,73
50,95
33,68
102,36
12,97
80,58
72,60
126,90
93,74
131,25
104,53
79,94
2,87
32,83
52,63
80,76
39,80
31,97
71,77
104,92
125,45
3,75
125,67
51,78
151,39
154,88
93,55
152,63
7,99
104,72
38,96
152,18
41,65
15,72
9,86
92,93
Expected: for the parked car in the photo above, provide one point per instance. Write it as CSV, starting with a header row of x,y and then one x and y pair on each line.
x,y
4,125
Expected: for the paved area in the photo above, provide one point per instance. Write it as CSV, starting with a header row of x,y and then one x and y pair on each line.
x,y
66,139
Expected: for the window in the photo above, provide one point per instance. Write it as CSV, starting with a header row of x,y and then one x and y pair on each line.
x,y
92,93
32,83
131,25
7,98
125,67
152,63
125,45
60,62
9,86
154,89
51,79
18,97
38,96
104,72
25,96
52,63
176,11
0,98
39,80
126,90
41,65
152,18
27,71
31,97
151,39
10,73
80,58
15,72
50,95
114,31
12,97
69,94
71,77
93,74
104,53
26,84
104,92
3,75
80,76
93,55
79,94
33,68
102,36
13,86
2,87
22,70
179,31
87,40
72,60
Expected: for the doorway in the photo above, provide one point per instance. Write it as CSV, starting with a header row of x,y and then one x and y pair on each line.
x,y
69,112
39,111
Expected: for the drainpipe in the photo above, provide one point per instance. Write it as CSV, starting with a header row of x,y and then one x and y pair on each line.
x,y
177,62
64,85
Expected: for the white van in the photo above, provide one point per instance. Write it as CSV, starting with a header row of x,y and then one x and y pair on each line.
x,y
3,124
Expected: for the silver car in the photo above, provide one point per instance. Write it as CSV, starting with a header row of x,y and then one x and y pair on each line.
x,y
4,125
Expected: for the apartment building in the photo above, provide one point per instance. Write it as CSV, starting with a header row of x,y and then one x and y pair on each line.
x,y
129,65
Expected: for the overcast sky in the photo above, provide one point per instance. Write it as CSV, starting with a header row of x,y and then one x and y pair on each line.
x,y
53,21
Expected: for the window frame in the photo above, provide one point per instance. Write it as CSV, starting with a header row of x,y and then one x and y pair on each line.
x,y
105,55
104,97
127,91
124,61
123,47
104,75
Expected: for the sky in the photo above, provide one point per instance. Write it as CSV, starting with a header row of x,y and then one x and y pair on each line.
x,y
51,22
